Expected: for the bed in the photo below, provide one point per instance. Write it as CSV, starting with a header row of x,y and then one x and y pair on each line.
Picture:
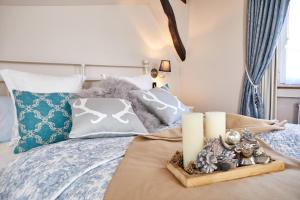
x,y
74,169
84,168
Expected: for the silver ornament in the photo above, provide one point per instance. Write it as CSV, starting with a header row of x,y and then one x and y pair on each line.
x,y
247,161
232,137
262,159
247,149
225,145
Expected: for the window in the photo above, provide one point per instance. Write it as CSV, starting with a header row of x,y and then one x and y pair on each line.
x,y
289,47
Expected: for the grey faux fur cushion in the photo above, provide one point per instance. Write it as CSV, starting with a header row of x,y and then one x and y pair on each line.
x,y
114,88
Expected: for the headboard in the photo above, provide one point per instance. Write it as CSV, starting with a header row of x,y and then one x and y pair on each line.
x,y
90,71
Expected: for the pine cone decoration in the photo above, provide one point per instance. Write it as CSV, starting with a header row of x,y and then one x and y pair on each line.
x,y
206,161
218,155
226,155
190,168
216,146
248,136
227,158
177,159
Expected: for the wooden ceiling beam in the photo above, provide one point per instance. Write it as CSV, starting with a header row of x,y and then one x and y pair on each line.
x,y
180,49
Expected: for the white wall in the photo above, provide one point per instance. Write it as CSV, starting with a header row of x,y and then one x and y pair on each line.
x,y
126,34
99,34
211,79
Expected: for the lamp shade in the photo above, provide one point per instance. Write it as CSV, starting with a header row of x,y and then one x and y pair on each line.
x,y
165,66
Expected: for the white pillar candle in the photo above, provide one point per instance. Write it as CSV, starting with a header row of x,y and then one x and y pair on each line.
x,y
192,136
215,124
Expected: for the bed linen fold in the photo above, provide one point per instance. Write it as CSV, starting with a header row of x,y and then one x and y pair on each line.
x,y
142,174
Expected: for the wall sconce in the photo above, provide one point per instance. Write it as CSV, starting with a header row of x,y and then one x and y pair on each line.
x,y
165,66
154,74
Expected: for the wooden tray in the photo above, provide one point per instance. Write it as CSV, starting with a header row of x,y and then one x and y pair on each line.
x,y
241,172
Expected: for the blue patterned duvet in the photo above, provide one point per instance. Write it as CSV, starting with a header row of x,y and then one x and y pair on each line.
x,y
73,169
286,142
82,169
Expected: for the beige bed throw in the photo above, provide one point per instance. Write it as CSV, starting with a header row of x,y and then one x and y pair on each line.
x,y
142,175
239,122
233,121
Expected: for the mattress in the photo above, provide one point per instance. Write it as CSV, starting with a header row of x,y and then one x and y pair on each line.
x,y
6,155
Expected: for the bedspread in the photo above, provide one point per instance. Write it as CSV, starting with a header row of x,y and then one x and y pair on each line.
x,y
73,169
286,141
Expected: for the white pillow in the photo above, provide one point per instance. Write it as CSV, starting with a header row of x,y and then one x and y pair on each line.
x,y
24,81
6,118
144,82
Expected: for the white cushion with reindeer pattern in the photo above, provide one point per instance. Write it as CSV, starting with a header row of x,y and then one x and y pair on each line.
x,y
104,117
165,106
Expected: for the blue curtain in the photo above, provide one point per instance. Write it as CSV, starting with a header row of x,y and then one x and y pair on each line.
x,y
265,19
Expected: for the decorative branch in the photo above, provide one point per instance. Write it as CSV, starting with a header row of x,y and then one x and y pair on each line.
x,y
125,111
86,110
173,28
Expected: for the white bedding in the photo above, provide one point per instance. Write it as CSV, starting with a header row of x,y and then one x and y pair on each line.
x,y
6,155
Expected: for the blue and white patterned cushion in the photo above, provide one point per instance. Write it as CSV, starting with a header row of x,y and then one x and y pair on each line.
x,y
43,118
